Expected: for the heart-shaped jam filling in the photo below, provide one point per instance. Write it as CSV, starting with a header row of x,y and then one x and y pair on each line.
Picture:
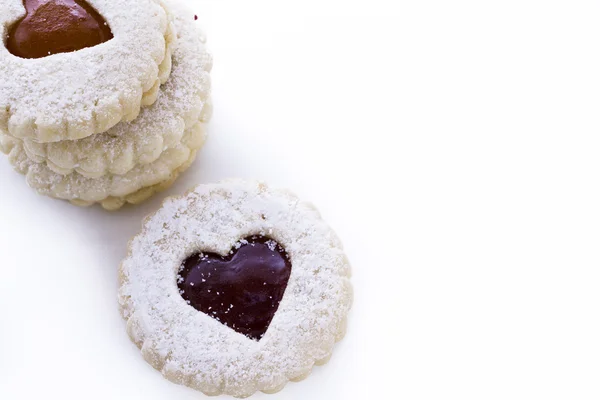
x,y
242,290
56,26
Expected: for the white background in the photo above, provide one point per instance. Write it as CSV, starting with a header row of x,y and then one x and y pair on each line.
x,y
454,146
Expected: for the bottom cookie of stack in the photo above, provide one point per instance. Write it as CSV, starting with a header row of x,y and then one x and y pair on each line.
x,y
115,203
110,191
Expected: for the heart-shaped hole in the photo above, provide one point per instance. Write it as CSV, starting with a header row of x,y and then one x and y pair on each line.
x,y
242,290
56,26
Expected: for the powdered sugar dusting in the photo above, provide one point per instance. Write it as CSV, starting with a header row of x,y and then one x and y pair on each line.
x,y
74,95
190,347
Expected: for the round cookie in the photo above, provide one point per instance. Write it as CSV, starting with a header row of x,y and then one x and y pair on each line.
x,y
182,101
107,189
235,288
83,86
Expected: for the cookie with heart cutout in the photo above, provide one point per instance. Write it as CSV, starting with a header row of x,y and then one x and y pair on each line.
x,y
111,191
183,100
234,288
73,68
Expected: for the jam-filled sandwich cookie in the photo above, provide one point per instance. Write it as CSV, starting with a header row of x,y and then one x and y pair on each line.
x,y
73,68
183,100
132,160
235,288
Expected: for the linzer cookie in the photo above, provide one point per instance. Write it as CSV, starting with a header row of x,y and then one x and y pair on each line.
x,y
235,288
183,100
133,160
73,68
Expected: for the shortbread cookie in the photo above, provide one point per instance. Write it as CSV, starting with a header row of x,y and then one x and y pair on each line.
x,y
235,287
97,67
82,190
183,100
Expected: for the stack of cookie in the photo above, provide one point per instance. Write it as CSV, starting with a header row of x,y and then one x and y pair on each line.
x,y
108,106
